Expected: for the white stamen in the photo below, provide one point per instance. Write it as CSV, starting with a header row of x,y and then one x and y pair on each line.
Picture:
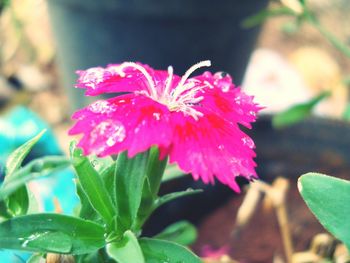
x,y
180,87
151,84
168,81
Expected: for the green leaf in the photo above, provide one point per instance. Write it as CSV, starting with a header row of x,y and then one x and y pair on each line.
x,y
126,250
101,165
105,167
18,202
169,197
4,213
172,171
154,173
130,176
109,181
16,158
182,232
51,233
329,199
93,186
263,15
156,251
36,168
297,112
86,210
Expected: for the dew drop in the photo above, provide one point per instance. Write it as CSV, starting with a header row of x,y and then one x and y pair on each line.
x,y
248,142
252,113
238,100
156,115
225,87
221,75
110,130
93,76
101,106
221,147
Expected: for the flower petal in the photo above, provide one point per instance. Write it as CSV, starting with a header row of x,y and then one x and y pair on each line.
x,y
129,122
212,147
116,78
226,100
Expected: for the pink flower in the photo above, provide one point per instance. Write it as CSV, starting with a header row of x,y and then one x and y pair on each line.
x,y
193,120
211,253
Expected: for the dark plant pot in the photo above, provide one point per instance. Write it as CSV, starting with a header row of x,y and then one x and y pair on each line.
x,y
315,145
157,32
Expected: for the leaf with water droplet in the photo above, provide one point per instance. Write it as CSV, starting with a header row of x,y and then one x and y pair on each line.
x,y
54,241
51,233
93,186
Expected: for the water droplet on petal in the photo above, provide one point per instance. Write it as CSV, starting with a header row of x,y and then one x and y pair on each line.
x,y
101,106
221,147
223,80
238,100
252,113
156,115
110,131
225,87
221,74
94,76
248,142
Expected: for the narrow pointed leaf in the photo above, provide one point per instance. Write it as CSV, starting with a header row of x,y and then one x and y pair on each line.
x,y
155,251
51,233
18,201
263,15
169,197
329,200
92,185
154,173
15,160
126,250
297,112
182,232
129,179
36,168
86,210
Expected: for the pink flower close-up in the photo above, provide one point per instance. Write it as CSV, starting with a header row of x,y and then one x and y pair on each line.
x,y
194,120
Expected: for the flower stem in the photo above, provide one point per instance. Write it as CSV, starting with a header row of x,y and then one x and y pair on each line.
x,y
328,35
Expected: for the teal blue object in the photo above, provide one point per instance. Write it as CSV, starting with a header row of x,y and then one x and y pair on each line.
x,y
17,127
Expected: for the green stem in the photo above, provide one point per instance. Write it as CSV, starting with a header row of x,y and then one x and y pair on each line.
x,y
327,34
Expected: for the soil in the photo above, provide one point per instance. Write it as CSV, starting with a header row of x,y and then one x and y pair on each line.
x,y
290,153
260,240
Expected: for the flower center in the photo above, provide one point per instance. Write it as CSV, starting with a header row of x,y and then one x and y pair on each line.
x,y
183,96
